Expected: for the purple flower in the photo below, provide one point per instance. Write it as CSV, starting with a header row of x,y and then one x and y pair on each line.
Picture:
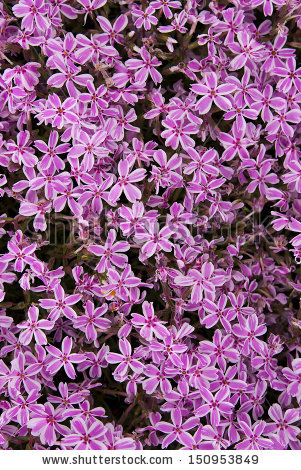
x,y
125,182
177,132
22,256
177,430
112,33
203,282
33,13
64,358
215,405
125,360
212,93
92,320
44,423
84,436
146,67
253,434
110,253
249,329
292,76
150,325
145,18
61,304
33,326
282,424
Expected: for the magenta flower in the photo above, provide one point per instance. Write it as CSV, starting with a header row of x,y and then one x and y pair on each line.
x,y
51,152
61,304
33,326
203,282
96,193
282,424
144,18
23,407
293,375
155,377
125,183
92,49
261,177
247,49
268,5
177,430
215,405
125,360
218,312
92,319
68,75
263,101
148,323
44,423
20,152
291,76
249,329
33,13
21,256
178,132
39,210
64,358
112,32
58,113
120,284
84,436
114,441
236,143
165,6
212,93
110,253
220,350
146,67
20,375
155,239
164,175
253,434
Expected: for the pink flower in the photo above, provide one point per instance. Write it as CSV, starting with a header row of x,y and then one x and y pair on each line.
x,y
33,327
58,113
85,436
155,239
282,424
61,304
145,18
146,66
203,282
125,360
125,182
92,320
20,152
22,256
148,323
215,405
177,132
213,94
44,423
252,434
165,6
247,49
112,33
63,358
33,13
177,430
248,329
110,253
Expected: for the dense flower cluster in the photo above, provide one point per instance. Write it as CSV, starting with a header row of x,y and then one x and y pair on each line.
x,y
151,230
